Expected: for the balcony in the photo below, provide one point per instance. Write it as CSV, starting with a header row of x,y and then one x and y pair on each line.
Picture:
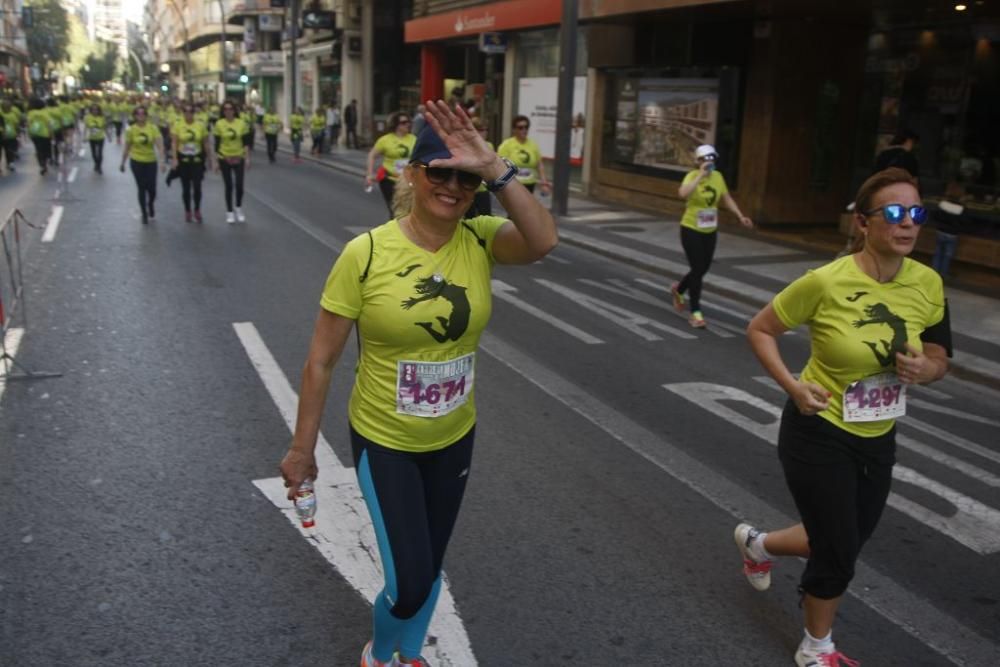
x,y
249,8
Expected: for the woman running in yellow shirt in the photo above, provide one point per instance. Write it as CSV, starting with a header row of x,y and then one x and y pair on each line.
x,y
142,144
232,145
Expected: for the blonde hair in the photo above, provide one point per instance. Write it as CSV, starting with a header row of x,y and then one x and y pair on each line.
x,y
402,197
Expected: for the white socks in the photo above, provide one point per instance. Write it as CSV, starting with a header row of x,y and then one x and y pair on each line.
x,y
757,550
811,643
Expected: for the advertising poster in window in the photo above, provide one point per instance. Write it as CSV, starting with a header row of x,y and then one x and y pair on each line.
x,y
537,99
672,118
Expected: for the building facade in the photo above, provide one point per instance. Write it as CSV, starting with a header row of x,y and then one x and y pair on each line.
x,y
14,74
798,97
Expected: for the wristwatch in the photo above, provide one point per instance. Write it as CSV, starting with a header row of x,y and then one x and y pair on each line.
x,y
505,178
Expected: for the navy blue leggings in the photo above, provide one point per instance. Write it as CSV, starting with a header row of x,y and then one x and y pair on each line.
x,y
413,499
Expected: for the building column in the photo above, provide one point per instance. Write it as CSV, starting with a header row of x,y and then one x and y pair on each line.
x,y
431,72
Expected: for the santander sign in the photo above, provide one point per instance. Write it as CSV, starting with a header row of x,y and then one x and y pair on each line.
x,y
465,23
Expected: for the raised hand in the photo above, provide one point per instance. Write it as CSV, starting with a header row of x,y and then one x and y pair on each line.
x,y
468,149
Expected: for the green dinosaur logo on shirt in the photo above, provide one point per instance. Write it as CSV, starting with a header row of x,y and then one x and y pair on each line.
x,y
434,287
879,313
710,194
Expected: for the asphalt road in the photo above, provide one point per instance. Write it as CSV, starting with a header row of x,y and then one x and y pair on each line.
x,y
616,451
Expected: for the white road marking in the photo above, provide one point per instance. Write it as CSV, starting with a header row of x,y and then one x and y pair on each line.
x,y
53,225
505,292
620,287
930,392
12,341
343,531
973,525
910,612
977,363
554,258
634,322
675,268
82,152
960,414
919,447
72,175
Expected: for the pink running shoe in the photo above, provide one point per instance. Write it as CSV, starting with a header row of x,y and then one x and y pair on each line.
x,y
368,660
827,657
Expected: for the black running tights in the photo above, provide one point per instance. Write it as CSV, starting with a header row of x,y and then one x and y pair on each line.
x,y
699,248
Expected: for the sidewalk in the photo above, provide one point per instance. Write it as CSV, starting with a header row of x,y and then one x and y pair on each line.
x,y
772,256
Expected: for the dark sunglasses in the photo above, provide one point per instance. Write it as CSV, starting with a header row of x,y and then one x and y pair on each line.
x,y
894,213
441,175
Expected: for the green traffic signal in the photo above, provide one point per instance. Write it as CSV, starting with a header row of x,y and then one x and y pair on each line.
x,y
244,78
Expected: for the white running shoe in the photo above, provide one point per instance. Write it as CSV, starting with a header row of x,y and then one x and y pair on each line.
x,y
758,573
239,215
230,217
824,657
368,660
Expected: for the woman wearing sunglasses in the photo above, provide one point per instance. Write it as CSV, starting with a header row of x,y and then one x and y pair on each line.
x,y
418,289
878,322
143,143
704,189
232,147
524,153
396,148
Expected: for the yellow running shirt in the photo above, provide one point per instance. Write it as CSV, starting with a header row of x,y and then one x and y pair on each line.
x,y
702,211
231,134
525,157
142,139
419,315
190,140
857,325
38,123
271,123
395,151
96,125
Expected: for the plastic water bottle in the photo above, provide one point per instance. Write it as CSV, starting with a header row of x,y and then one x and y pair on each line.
x,y
305,503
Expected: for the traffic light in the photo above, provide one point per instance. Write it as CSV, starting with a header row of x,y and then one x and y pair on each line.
x,y
244,79
165,87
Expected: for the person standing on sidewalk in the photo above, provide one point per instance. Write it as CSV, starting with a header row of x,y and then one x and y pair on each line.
x,y
191,146
900,153
296,123
524,153
96,125
143,142
395,147
703,188
351,125
837,440
232,149
332,125
271,123
412,413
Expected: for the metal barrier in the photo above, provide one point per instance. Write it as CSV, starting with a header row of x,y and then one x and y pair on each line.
x,y
12,297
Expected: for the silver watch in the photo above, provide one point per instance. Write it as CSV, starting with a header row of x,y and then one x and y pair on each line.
x,y
505,178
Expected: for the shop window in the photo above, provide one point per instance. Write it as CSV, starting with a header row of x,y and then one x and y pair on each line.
x,y
943,83
654,119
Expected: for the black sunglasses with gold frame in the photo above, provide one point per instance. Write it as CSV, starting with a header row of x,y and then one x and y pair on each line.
x,y
441,175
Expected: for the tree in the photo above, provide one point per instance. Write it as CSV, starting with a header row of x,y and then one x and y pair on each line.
x,y
48,36
100,66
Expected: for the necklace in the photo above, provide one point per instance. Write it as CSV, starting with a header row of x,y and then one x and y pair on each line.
x,y
421,241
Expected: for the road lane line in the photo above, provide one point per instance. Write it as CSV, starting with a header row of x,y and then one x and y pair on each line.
x,y
309,228
628,320
505,292
72,175
82,152
621,288
53,225
343,531
924,622
952,412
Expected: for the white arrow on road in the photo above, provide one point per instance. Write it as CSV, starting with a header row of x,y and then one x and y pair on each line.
x,y
343,531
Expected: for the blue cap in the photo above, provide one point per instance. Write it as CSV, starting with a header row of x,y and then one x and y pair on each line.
x,y
429,147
